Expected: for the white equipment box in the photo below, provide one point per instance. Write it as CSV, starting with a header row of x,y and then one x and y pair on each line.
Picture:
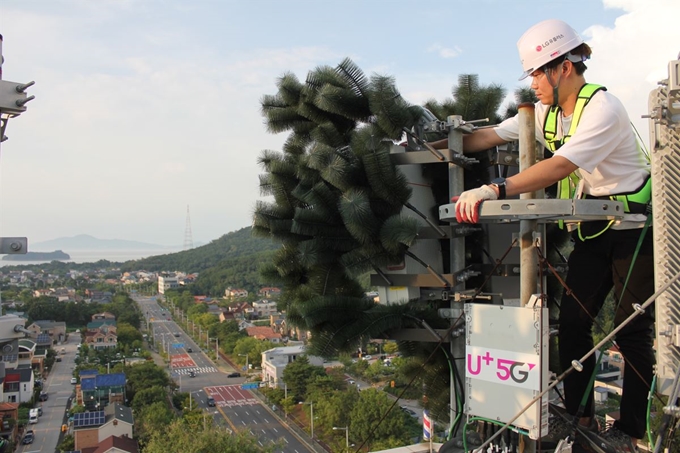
x,y
506,364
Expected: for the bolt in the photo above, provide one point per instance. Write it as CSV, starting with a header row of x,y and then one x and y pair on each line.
x,y
15,246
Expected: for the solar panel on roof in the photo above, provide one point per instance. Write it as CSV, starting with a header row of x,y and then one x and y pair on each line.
x,y
89,419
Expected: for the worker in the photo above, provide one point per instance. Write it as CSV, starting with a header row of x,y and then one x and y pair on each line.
x,y
595,155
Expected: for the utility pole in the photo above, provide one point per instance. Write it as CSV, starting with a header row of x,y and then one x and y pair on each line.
x,y
188,237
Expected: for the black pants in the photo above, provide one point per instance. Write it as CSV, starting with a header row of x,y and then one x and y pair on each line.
x,y
595,265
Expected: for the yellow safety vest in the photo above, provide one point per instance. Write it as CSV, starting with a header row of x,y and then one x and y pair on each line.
x,y
634,202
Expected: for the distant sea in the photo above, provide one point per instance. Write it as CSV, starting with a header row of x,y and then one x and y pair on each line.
x,y
92,256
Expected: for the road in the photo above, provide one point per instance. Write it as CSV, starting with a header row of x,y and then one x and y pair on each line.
x,y
60,391
236,409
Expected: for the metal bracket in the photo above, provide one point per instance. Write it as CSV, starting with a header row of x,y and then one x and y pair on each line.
x,y
13,246
544,211
13,97
536,235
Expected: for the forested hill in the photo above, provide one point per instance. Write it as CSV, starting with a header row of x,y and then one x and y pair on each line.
x,y
224,252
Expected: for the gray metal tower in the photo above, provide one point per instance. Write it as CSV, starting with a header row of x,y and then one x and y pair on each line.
x,y
188,239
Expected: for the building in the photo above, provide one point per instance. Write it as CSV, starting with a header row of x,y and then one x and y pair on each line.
x,y
96,391
234,293
102,337
92,428
114,444
166,283
264,333
103,316
264,308
274,361
56,330
269,292
9,411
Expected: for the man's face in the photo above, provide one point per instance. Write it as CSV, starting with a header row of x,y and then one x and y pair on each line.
x,y
542,84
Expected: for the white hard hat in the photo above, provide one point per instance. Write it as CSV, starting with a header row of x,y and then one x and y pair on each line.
x,y
545,42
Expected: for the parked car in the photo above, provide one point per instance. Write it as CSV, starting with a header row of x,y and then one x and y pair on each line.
x,y
43,396
190,350
211,401
74,380
234,375
28,437
58,359
176,334
409,411
192,374
33,416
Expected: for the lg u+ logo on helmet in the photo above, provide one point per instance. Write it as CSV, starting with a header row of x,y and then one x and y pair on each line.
x,y
549,42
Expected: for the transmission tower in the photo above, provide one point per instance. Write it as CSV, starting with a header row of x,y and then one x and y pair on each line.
x,y
188,239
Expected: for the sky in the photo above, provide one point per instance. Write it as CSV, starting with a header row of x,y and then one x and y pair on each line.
x,y
145,107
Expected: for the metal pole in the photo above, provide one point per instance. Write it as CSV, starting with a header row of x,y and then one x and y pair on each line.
x,y
1,59
457,252
347,438
217,349
528,229
311,406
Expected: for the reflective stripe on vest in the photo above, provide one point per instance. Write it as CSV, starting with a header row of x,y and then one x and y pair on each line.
x,y
566,188
632,202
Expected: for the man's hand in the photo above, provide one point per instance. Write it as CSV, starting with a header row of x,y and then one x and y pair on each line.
x,y
468,201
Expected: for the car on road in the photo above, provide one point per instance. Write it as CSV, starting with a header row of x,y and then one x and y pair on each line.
x,y
190,350
74,380
58,359
28,437
176,334
367,357
409,411
192,374
33,416
43,396
234,375
211,401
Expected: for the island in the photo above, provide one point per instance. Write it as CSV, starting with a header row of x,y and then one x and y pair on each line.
x,y
57,255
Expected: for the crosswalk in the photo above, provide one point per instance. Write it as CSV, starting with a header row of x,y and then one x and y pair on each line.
x,y
197,370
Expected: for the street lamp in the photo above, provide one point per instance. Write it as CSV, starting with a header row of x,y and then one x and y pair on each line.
x,y
190,398
217,346
311,415
246,356
346,429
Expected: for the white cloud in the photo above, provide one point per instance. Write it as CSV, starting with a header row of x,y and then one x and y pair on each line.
x,y
632,56
445,52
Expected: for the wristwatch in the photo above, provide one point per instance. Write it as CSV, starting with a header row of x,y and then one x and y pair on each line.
x,y
500,183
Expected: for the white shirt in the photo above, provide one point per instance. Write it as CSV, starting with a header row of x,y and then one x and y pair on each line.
x,y
603,147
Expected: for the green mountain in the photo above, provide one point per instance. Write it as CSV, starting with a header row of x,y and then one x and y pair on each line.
x,y
221,252
232,260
